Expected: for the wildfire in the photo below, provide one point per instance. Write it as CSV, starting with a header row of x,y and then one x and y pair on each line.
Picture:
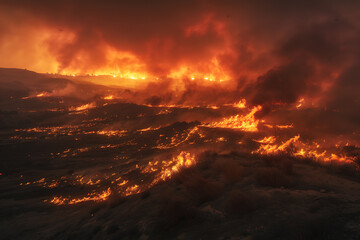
x,y
240,104
131,190
38,95
297,148
208,71
268,147
109,97
267,140
43,94
161,171
246,123
158,169
110,133
149,129
91,197
83,107
285,126
166,169
179,139
300,103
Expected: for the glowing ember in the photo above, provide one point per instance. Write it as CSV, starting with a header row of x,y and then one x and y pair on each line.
x,y
110,133
246,123
149,129
300,103
91,197
166,169
240,104
83,107
268,146
131,190
160,170
297,148
110,97
179,139
43,94
284,126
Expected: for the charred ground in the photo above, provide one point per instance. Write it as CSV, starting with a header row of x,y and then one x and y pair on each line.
x,y
94,165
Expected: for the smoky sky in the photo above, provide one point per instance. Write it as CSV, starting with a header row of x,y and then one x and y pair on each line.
x,y
274,51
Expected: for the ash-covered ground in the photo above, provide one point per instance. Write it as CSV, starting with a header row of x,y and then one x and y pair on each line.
x,y
84,161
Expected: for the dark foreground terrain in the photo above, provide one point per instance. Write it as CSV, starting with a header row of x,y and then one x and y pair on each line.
x,y
229,196
79,161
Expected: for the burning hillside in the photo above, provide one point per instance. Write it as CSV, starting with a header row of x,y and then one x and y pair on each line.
x,y
208,111
107,146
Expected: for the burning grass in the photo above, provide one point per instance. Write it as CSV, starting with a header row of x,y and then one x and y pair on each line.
x,y
170,166
246,122
219,190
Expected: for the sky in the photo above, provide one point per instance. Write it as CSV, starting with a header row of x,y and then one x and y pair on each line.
x,y
272,52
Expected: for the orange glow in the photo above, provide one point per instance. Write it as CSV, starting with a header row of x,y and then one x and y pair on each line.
x,y
91,197
162,171
225,81
300,103
285,126
179,139
166,169
268,146
110,133
83,107
267,140
210,71
240,104
131,190
110,97
295,147
43,94
119,65
246,123
43,52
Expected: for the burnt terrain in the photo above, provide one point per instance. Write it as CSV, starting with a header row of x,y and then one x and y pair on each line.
x,y
84,161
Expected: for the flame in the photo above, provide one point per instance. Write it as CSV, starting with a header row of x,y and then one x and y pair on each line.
x,y
83,107
110,133
210,71
162,171
179,139
127,67
120,65
300,102
131,190
297,148
285,126
109,97
268,146
38,95
246,123
166,169
43,94
91,197
267,140
149,129
240,104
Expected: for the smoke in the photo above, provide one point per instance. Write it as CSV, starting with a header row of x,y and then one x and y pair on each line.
x,y
271,53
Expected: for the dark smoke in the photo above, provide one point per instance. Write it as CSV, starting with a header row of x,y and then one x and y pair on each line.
x,y
276,52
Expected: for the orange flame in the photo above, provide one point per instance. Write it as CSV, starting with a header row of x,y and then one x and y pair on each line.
x,y
83,107
246,123
297,148
91,197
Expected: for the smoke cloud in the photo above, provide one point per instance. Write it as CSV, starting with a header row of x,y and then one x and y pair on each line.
x,y
273,54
